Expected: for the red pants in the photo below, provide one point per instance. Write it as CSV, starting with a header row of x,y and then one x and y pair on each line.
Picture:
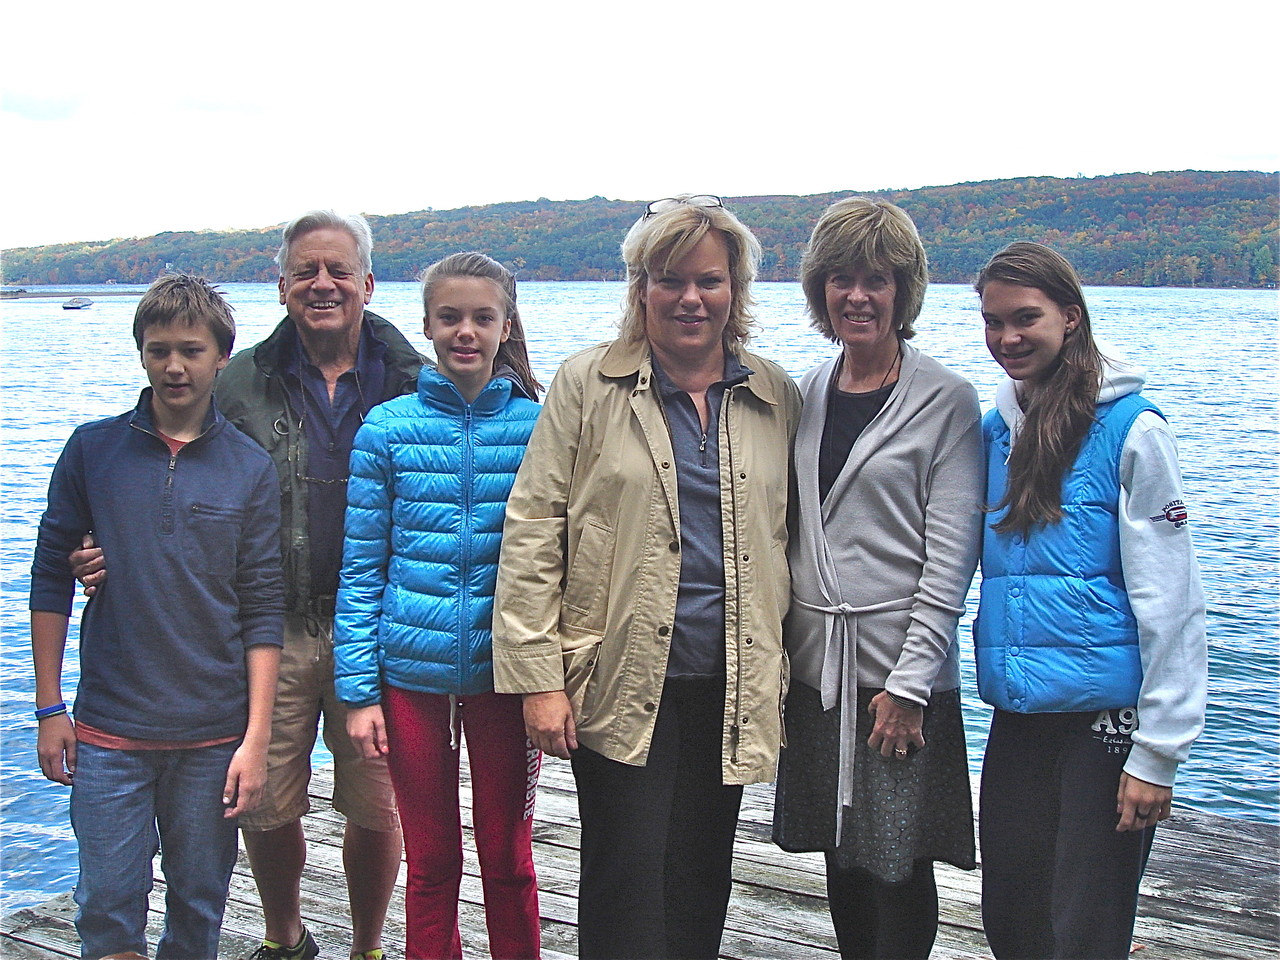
x,y
504,778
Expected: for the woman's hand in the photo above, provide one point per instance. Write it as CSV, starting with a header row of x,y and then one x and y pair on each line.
x,y
367,729
548,720
897,728
56,748
1141,804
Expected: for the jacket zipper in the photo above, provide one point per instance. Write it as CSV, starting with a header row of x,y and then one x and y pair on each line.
x,y
468,486
166,497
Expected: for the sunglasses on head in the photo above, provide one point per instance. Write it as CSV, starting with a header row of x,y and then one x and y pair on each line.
x,y
671,203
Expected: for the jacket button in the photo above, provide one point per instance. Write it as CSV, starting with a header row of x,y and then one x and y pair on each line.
x,y
674,546
650,707
749,641
635,393
643,381
745,558
663,630
742,476
666,464
745,721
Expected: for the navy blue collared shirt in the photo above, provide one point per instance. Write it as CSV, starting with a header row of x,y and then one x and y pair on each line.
x,y
697,638
330,428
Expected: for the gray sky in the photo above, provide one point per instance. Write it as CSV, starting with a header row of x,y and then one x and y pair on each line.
x,y
126,120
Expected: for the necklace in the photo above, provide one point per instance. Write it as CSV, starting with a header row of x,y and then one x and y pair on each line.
x,y
896,357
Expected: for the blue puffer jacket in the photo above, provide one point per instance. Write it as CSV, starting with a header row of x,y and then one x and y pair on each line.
x,y
430,476
1054,631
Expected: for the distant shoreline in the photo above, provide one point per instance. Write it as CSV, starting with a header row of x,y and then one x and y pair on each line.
x,y
67,293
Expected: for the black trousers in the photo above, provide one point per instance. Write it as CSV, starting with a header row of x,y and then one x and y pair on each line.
x,y
883,921
657,840
1058,881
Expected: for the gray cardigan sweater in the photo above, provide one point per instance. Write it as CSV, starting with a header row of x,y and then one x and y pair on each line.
x,y
880,568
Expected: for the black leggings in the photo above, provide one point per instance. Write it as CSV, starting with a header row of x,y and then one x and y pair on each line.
x,y
883,921
1058,881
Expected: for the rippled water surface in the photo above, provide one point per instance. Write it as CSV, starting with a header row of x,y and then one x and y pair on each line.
x,y
1211,357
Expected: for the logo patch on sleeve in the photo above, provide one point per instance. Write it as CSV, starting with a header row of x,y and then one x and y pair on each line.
x,y
1175,512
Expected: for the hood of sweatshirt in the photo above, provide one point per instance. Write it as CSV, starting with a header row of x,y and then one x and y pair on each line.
x,y
1119,378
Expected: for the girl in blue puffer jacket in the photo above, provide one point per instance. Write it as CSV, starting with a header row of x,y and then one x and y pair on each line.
x,y
430,476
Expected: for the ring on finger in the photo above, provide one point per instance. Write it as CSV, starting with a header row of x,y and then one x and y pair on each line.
x,y
901,751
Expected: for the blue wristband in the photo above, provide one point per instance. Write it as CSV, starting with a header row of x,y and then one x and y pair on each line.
x,y
56,710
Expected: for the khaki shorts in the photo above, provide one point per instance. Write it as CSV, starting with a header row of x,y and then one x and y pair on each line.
x,y
304,697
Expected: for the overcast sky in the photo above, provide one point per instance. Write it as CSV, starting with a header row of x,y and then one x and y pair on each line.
x,y
129,119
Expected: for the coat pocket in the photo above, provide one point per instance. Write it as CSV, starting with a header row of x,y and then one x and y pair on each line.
x,y
586,585
780,577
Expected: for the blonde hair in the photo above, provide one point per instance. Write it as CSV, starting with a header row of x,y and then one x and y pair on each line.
x,y
655,242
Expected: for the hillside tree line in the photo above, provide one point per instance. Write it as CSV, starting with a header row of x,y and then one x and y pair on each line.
x,y
1186,228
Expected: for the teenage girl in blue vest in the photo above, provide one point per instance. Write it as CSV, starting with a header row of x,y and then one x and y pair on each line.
x,y
430,476
1090,636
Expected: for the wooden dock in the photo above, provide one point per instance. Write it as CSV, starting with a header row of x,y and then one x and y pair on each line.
x,y
1211,891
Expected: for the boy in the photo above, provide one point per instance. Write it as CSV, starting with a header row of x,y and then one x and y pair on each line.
x,y
178,652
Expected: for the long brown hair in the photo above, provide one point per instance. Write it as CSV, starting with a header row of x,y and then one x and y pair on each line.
x,y
512,352
1062,408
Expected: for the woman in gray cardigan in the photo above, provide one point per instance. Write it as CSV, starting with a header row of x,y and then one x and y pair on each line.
x,y
889,469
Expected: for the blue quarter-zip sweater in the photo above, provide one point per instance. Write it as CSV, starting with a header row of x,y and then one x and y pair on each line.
x,y
430,476
1055,632
193,544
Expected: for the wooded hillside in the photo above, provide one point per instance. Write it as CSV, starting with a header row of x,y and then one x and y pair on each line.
x,y
1184,228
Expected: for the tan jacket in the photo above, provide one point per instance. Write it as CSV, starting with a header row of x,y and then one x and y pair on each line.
x,y
590,563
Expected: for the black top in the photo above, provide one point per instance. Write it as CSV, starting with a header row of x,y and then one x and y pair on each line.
x,y
847,416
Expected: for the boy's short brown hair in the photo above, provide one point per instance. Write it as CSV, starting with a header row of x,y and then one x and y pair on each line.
x,y
186,299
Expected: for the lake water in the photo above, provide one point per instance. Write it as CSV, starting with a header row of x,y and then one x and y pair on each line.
x,y
1211,357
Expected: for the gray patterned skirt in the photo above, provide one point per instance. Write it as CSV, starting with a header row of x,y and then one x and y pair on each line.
x,y
919,808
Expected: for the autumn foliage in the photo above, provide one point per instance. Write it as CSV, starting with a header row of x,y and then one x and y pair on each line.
x,y
1184,228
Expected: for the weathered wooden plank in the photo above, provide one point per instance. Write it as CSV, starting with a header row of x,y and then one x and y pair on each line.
x,y
1210,892
44,931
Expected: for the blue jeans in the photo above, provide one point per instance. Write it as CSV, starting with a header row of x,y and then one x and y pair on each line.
x,y
126,804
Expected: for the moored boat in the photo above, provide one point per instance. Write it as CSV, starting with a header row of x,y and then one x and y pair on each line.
x,y
77,303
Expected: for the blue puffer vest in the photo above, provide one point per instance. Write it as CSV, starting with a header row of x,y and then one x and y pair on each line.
x,y
1054,631
430,477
